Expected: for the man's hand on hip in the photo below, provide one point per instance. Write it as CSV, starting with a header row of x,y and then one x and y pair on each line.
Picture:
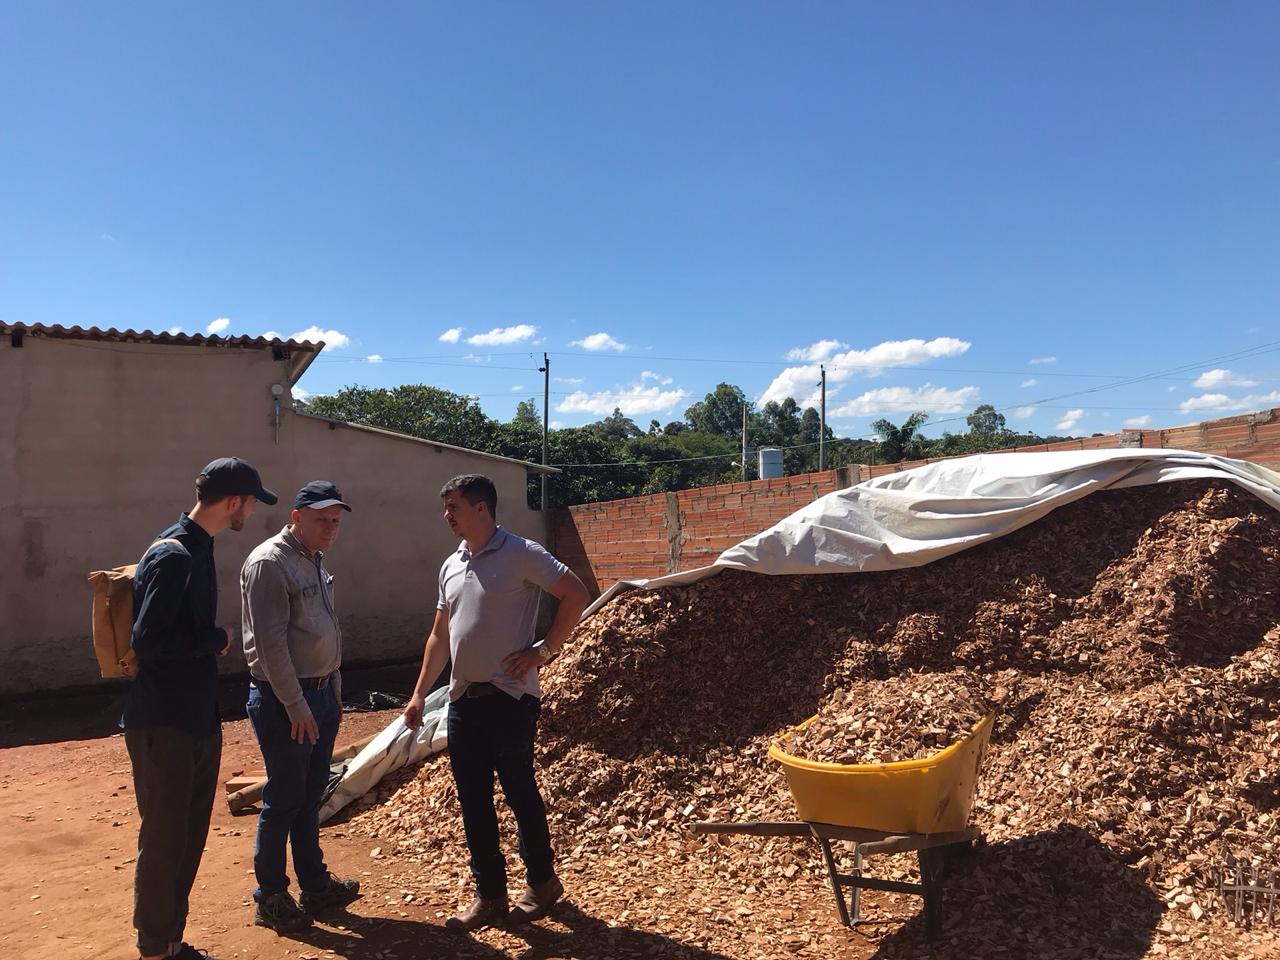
x,y
518,664
301,730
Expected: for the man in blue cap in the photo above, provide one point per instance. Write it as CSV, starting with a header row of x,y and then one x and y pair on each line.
x,y
293,643
171,724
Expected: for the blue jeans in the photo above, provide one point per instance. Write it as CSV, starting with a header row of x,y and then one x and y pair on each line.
x,y
297,774
488,735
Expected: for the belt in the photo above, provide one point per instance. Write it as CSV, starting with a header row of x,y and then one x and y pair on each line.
x,y
480,690
306,683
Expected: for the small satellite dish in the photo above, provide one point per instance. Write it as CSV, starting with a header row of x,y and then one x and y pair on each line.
x,y
277,390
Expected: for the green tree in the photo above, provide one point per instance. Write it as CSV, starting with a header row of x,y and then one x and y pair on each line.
x,y
415,409
720,412
616,427
904,442
986,421
527,412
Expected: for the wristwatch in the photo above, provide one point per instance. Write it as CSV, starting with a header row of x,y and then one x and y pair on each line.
x,y
543,651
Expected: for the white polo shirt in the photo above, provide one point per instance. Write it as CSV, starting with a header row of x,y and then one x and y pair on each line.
x,y
492,600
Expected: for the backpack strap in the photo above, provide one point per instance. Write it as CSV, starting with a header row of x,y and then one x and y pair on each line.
x,y
156,544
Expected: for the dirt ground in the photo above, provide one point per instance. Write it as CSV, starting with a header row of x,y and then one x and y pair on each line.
x,y
69,842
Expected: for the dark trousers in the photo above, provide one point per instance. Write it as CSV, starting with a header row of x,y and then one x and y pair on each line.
x,y
488,735
297,774
175,778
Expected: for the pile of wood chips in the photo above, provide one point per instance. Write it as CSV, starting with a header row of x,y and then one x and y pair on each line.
x,y
1131,640
902,718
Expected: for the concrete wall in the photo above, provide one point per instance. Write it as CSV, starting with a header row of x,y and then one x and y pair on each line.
x,y
664,533
100,444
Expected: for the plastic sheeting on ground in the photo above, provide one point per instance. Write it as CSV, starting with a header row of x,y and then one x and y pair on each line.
x,y
395,747
921,515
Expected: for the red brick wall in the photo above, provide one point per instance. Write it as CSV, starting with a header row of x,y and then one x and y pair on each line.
x,y
658,534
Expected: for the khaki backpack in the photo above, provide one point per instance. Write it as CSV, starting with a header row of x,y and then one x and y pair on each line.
x,y
113,618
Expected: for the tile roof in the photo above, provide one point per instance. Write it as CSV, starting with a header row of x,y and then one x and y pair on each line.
x,y
148,336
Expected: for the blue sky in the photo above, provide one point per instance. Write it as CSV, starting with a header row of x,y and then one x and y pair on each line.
x,y
949,204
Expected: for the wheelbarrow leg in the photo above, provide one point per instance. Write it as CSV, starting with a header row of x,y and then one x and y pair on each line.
x,y
932,863
849,914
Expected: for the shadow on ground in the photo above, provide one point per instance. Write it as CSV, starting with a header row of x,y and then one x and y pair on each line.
x,y
1057,895
588,938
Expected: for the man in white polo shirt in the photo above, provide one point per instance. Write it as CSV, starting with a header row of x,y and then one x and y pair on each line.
x,y
485,619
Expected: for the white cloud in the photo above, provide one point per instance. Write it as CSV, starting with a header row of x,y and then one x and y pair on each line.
x,y
1037,361
374,358
884,400
1022,413
1135,423
598,341
801,382
632,400
218,326
332,338
1069,421
451,335
272,335
501,335
816,351
650,375
573,380
1029,382
175,330
301,394
517,388
1221,402
1207,401
108,237
1217,379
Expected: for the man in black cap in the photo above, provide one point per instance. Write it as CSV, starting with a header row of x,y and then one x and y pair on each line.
x,y
171,724
293,643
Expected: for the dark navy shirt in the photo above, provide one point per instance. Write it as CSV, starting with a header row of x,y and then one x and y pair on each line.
x,y
175,635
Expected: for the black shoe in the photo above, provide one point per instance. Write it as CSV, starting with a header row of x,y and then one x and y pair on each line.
x,y
280,913
337,894
188,952
537,900
481,913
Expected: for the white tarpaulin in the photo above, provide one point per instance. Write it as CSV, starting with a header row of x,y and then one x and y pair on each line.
x,y
891,522
917,516
395,747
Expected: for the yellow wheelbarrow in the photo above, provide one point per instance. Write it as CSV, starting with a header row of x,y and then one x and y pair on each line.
x,y
910,805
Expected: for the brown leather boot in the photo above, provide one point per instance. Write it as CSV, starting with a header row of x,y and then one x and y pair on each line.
x,y
537,900
481,913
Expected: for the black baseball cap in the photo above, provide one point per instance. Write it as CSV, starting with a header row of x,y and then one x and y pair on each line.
x,y
233,477
319,494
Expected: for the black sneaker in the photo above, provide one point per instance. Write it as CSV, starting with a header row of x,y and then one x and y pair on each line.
x,y
188,952
280,913
337,894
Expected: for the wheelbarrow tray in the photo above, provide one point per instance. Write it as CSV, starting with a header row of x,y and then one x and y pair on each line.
x,y
933,794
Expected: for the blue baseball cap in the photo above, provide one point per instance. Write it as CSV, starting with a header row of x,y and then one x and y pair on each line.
x,y
319,494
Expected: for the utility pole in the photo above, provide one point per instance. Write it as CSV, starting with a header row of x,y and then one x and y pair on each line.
x,y
545,370
822,428
744,441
